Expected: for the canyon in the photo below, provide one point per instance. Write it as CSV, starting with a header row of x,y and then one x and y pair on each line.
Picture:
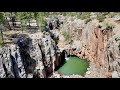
x,y
38,55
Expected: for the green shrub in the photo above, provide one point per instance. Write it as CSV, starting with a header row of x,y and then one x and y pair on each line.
x,y
85,15
67,36
87,20
102,15
100,18
56,39
111,14
0,37
1,41
109,25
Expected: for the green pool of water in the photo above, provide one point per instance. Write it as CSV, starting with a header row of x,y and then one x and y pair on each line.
x,y
74,65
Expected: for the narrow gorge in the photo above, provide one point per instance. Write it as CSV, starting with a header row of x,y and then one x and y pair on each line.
x,y
42,54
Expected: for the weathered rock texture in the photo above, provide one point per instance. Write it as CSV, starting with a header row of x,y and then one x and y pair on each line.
x,y
29,57
38,55
99,45
11,65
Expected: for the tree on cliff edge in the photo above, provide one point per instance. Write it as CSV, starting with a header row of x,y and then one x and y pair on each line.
x,y
1,26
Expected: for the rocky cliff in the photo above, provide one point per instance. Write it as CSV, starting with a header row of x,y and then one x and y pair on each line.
x,y
98,44
29,57
11,65
39,55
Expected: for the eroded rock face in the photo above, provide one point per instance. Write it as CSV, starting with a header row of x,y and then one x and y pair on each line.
x,y
51,53
11,63
43,53
29,57
98,45
38,57
113,53
37,54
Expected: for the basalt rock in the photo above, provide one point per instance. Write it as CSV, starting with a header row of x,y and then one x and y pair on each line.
x,y
51,53
11,63
29,58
